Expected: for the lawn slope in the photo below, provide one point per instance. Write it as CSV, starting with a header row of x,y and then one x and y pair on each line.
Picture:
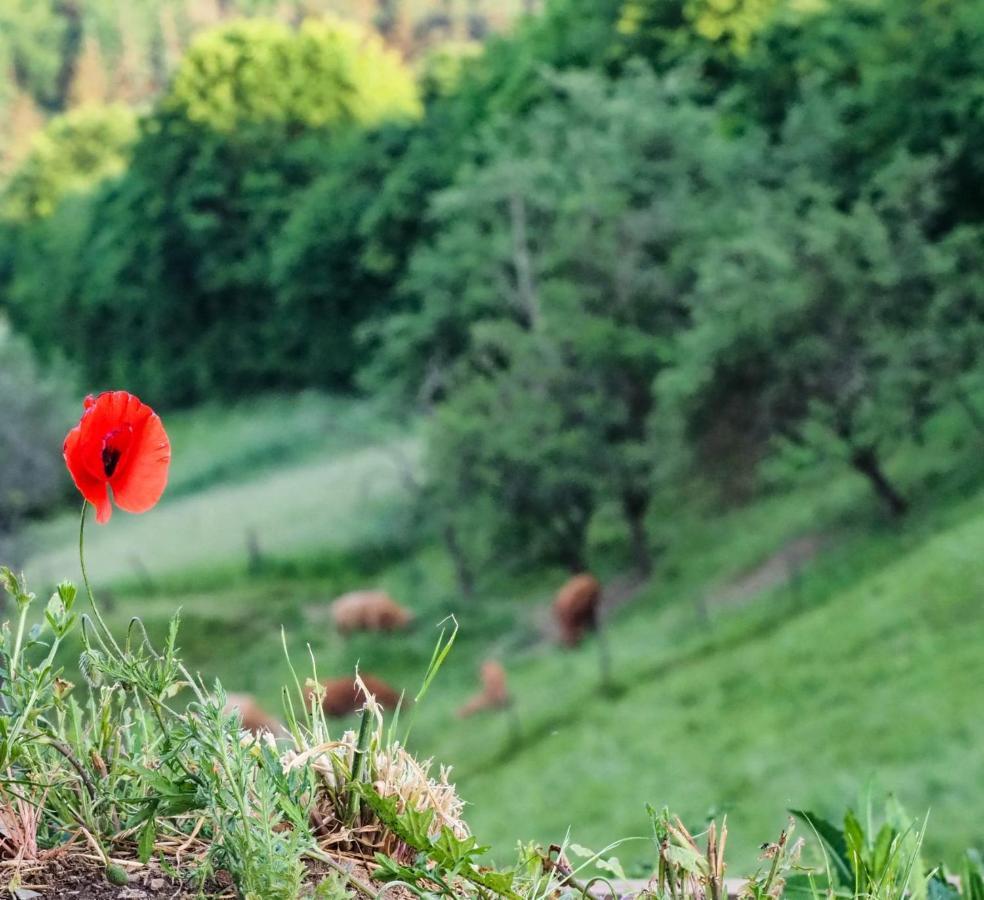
x,y
867,663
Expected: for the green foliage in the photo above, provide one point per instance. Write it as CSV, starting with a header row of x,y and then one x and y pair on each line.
x,y
442,860
557,273
74,152
897,75
325,285
258,71
801,322
247,793
883,862
31,36
192,245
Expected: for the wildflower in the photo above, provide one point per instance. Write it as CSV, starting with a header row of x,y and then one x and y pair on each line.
x,y
121,444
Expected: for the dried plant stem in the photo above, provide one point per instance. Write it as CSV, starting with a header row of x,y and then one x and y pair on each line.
x,y
363,886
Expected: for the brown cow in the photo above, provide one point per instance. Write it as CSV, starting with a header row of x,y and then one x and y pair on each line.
x,y
254,717
342,696
494,693
369,611
576,607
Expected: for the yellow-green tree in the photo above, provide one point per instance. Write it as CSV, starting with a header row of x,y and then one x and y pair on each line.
x,y
73,152
259,71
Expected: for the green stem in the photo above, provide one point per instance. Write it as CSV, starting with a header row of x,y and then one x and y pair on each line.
x,y
85,579
15,657
21,720
358,766
773,869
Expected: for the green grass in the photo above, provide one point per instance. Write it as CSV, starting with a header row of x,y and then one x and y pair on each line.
x,y
866,669
303,476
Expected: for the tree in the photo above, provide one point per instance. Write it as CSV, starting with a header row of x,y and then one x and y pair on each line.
x,y
524,435
580,229
801,321
944,352
325,285
259,71
181,285
899,75
74,152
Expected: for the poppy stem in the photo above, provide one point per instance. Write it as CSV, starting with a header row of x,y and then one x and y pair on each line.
x,y
85,579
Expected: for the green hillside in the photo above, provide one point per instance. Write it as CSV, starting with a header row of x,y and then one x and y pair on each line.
x,y
736,690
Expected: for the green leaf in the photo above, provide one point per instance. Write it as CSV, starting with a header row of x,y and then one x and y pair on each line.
x,y
411,826
882,853
687,859
499,882
973,876
938,888
612,865
854,840
145,846
451,851
390,870
832,839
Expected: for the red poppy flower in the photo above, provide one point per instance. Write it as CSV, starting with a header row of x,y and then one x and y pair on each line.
x,y
121,444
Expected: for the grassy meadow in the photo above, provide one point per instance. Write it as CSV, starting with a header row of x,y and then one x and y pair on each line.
x,y
747,679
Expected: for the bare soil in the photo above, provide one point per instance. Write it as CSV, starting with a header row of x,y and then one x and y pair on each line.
x,y
72,876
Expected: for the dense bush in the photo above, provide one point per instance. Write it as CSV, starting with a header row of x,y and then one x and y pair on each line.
x,y
171,284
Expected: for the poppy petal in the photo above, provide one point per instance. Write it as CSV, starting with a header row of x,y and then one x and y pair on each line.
x,y
121,444
141,476
93,489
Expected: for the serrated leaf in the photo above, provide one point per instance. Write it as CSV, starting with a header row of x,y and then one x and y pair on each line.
x,y
451,851
687,859
390,870
499,882
613,865
145,847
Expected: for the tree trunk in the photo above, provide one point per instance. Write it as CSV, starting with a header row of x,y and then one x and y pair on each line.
x,y
635,504
525,282
866,462
462,569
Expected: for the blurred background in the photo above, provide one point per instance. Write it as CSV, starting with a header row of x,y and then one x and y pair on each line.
x,y
453,299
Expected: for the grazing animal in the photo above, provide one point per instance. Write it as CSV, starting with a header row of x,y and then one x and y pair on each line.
x,y
575,608
254,717
342,696
369,611
494,693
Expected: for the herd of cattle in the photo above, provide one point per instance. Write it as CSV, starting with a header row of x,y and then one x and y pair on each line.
x,y
575,612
